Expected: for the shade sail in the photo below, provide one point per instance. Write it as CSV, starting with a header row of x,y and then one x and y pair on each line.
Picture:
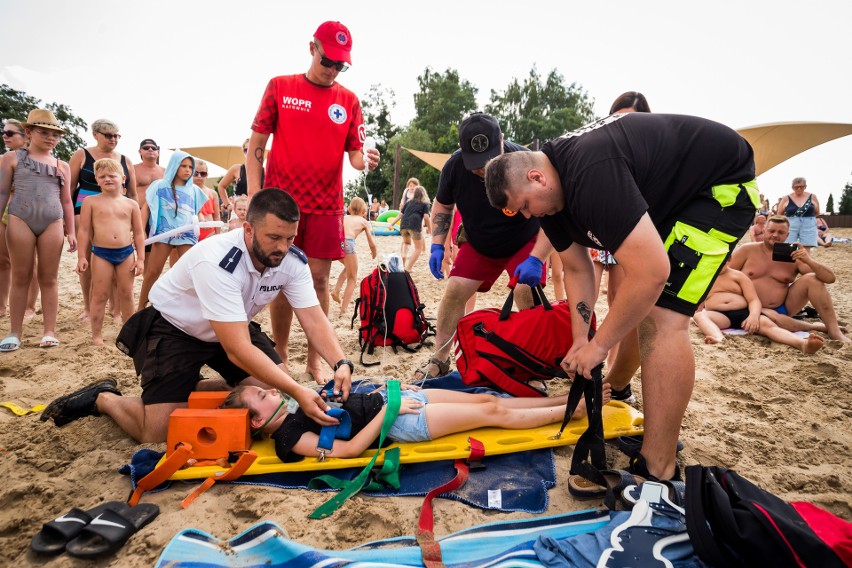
x,y
772,143
222,156
777,142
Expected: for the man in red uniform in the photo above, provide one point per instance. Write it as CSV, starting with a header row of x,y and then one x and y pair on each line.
x,y
313,119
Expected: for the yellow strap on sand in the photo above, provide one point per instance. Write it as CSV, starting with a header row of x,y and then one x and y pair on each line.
x,y
22,411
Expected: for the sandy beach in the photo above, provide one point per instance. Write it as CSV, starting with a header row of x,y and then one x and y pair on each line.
x,y
780,418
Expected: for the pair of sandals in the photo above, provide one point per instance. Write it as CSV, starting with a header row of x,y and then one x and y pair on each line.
x,y
99,531
433,368
13,343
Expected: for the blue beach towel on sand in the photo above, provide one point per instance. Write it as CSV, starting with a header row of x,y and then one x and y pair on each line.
x,y
501,544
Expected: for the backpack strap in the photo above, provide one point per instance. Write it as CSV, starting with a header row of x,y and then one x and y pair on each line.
x,y
591,442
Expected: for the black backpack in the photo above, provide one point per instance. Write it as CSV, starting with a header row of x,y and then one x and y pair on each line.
x,y
732,522
391,313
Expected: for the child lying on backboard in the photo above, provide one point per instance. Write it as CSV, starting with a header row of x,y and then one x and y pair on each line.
x,y
423,415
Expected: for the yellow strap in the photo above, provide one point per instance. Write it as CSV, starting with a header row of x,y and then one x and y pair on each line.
x,y
22,411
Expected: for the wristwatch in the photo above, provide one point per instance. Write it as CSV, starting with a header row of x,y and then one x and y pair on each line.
x,y
345,362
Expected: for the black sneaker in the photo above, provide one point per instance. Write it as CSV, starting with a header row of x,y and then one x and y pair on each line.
x,y
624,395
638,466
80,403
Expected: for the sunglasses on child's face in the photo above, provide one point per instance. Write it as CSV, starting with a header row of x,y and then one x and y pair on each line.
x,y
201,174
110,136
155,148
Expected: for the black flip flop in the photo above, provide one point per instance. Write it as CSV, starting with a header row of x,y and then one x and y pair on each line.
x,y
110,530
54,535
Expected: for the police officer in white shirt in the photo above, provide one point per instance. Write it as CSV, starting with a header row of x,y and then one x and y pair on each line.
x,y
200,314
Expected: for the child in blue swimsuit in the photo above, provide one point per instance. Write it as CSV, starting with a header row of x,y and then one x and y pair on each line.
x,y
170,203
112,224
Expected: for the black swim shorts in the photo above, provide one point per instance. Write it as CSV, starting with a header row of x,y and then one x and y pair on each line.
x,y
174,359
700,238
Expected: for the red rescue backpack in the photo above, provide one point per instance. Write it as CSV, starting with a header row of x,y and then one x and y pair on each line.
x,y
391,313
509,349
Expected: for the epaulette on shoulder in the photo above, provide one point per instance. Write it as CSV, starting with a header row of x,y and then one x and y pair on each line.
x,y
231,260
299,253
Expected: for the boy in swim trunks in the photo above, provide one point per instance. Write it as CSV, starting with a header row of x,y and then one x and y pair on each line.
x,y
111,225
353,225
733,302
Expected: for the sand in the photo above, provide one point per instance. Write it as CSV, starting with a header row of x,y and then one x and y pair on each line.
x,y
777,416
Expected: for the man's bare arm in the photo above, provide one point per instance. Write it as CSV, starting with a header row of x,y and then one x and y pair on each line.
x,y
254,161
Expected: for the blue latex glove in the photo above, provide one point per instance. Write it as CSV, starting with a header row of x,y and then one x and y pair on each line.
x,y
529,271
436,258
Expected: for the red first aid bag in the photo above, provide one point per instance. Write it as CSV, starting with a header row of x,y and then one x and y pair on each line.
x,y
509,349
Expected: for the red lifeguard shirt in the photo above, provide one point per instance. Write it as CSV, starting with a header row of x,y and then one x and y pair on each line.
x,y
311,127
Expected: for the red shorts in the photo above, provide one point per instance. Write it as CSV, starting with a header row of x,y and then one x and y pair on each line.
x,y
474,266
321,236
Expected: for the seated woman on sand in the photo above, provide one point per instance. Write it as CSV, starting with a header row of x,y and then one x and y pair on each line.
x,y
423,415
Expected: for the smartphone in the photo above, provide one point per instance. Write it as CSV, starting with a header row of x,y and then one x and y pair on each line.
x,y
783,252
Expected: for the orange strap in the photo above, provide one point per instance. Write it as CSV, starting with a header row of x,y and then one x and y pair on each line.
x,y
239,468
162,473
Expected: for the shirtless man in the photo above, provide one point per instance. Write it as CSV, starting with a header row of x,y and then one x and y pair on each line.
x,y
780,287
756,231
149,169
733,302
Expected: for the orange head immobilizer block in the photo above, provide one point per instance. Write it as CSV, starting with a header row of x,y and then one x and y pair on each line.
x,y
212,432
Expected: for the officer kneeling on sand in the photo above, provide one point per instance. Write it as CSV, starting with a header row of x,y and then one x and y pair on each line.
x,y
200,314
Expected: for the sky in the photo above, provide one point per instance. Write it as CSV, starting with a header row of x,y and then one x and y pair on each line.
x,y
191,73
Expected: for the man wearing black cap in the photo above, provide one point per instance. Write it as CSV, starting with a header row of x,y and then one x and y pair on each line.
x,y
490,241
312,119
149,169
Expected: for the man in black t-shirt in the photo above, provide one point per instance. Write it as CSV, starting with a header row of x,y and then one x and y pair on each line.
x,y
670,196
494,240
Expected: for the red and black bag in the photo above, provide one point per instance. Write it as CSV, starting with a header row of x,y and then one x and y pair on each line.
x,y
509,349
391,313
733,522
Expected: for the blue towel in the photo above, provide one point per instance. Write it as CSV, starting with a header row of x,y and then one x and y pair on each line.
x,y
497,545
509,482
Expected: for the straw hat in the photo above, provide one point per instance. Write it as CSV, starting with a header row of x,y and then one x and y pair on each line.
x,y
44,119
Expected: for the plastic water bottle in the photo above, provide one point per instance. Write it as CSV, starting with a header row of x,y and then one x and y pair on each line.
x,y
369,144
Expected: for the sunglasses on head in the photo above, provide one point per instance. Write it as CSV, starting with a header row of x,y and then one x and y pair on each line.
x,y
10,133
150,147
110,136
329,63
201,174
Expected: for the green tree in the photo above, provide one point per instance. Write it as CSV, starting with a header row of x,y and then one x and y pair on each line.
x,y
829,205
17,104
846,200
376,107
440,104
540,108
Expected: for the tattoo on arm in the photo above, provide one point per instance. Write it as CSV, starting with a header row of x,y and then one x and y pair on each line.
x,y
258,154
441,224
584,311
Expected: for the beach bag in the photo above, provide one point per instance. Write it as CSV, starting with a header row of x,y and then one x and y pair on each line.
x,y
391,313
506,349
733,522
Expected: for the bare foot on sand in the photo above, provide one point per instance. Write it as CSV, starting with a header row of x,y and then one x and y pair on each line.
x,y
84,316
335,295
813,344
29,314
319,374
580,412
98,341
710,340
